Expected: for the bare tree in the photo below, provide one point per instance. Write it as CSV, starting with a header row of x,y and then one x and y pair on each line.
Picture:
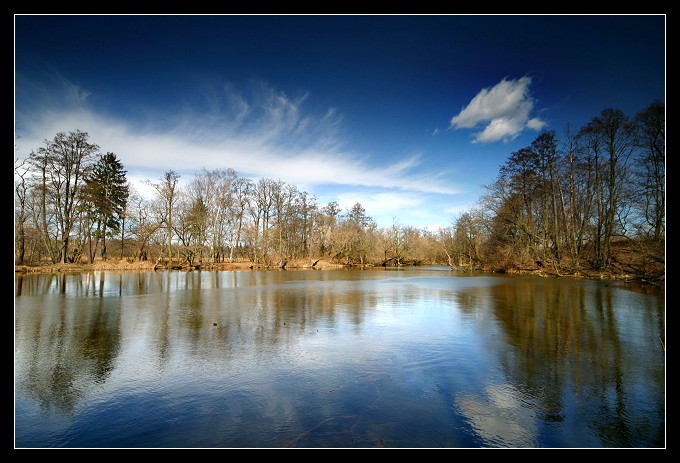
x,y
166,191
142,224
352,236
651,169
213,190
241,193
329,220
579,178
21,172
545,147
515,199
466,240
608,138
191,218
62,164
124,217
262,211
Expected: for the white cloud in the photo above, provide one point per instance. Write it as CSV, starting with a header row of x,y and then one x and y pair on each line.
x,y
266,134
386,207
498,417
535,124
403,208
385,203
503,110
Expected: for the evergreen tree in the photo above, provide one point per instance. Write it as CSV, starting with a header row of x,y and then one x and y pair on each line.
x,y
107,192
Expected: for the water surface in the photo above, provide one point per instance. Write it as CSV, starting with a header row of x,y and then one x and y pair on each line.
x,y
413,358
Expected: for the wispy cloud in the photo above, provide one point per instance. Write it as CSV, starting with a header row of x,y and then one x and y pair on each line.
x,y
504,111
264,133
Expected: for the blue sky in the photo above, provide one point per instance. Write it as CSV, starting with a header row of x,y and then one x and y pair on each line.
x,y
410,115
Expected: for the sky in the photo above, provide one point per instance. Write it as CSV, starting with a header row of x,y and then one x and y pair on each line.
x,y
409,115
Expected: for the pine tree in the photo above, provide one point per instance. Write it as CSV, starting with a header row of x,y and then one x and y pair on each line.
x,y
107,193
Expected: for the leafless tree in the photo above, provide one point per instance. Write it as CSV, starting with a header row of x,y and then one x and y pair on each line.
x,y
608,139
21,187
166,191
61,165
651,169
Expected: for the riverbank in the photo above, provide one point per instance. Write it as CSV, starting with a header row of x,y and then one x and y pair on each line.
x,y
137,266
629,281
141,266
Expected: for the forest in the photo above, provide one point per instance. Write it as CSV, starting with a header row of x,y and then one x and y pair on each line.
x,y
588,201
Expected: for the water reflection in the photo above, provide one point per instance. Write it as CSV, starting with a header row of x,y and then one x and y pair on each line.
x,y
71,348
499,417
419,358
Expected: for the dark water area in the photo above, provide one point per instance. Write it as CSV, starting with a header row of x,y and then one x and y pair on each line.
x,y
397,358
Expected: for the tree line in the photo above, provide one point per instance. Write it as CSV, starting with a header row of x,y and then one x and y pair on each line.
x,y
593,199
566,204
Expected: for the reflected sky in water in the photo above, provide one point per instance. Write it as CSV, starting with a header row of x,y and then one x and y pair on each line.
x,y
413,358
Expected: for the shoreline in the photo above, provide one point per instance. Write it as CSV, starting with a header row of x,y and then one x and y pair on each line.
x,y
627,281
144,266
311,264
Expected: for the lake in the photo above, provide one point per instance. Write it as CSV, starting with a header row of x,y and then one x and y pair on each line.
x,y
419,357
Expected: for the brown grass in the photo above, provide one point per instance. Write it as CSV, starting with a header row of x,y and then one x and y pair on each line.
x,y
141,266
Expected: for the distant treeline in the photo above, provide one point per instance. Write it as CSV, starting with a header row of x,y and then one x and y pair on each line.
x,y
590,199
